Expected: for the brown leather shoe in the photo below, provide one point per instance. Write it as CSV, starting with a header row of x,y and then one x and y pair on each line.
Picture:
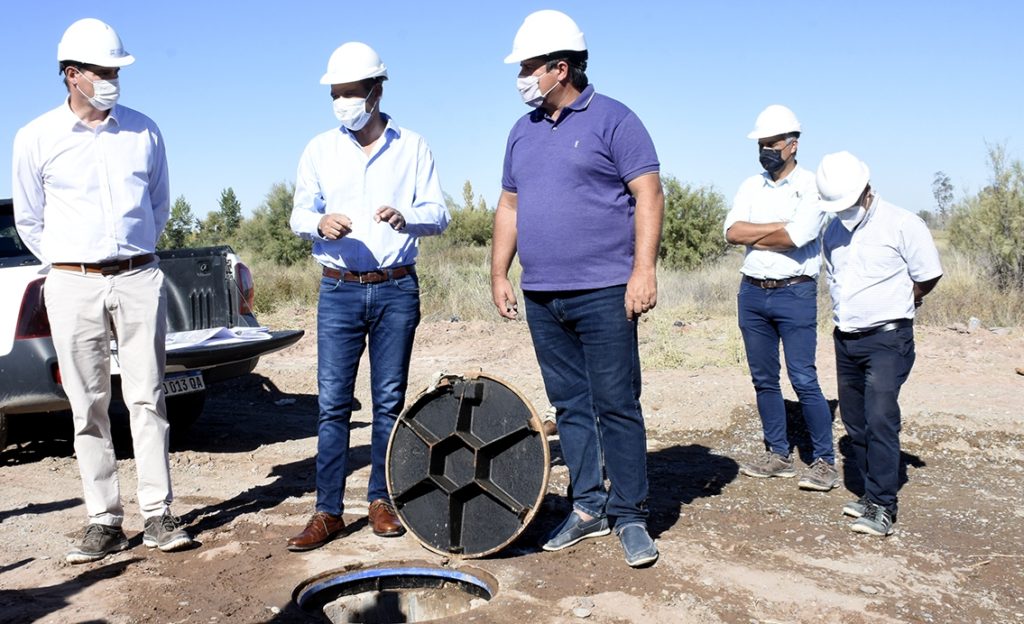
x,y
322,528
550,429
383,519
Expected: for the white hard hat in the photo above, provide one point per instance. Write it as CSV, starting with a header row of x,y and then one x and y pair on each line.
x,y
93,42
544,32
841,178
774,121
352,62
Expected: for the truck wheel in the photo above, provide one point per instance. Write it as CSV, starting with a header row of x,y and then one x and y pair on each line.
x,y
184,409
3,431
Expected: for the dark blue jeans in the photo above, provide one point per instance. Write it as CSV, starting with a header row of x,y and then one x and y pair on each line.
x,y
870,372
789,314
350,315
587,351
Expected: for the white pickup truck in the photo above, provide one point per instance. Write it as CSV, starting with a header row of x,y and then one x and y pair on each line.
x,y
206,288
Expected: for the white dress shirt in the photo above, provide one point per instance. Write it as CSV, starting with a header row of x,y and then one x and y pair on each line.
x,y
792,200
871,271
336,176
86,194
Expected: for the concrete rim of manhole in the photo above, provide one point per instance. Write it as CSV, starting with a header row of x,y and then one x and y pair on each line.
x,y
467,465
450,590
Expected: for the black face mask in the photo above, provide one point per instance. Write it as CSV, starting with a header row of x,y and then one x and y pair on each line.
x,y
771,159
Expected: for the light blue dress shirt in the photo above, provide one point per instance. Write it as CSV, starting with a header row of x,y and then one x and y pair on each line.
x,y
84,194
336,175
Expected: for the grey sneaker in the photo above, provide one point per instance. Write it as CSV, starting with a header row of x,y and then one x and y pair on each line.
x,y
637,544
165,532
820,476
855,509
875,521
98,541
574,529
769,465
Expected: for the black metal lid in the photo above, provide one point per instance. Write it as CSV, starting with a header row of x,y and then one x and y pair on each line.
x,y
467,465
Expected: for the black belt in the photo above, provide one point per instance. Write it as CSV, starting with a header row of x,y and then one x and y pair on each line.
x,y
113,267
885,327
369,277
777,283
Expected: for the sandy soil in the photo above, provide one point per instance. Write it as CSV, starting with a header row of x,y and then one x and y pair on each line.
x,y
733,549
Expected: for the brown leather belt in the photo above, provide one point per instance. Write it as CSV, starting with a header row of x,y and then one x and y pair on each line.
x,y
369,277
885,327
777,283
113,267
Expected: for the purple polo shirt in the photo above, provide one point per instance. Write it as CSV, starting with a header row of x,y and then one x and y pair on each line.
x,y
574,211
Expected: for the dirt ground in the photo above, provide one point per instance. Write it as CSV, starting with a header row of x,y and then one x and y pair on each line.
x,y
733,549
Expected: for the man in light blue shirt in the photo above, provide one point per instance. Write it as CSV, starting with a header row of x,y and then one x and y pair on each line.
x,y
775,215
364,194
91,198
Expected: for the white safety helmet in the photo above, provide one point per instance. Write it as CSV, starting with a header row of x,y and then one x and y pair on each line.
x,y
352,62
93,42
774,121
544,32
841,179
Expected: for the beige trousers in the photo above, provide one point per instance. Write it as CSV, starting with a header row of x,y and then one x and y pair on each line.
x,y
83,308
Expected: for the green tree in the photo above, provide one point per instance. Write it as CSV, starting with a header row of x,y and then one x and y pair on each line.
x,y
467,196
989,226
221,226
181,226
210,231
269,234
942,190
472,223
692,231
230,211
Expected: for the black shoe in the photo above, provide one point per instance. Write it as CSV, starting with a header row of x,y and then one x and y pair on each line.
x,y
98,541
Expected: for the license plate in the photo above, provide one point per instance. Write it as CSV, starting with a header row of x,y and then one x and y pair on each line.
x,y
184,383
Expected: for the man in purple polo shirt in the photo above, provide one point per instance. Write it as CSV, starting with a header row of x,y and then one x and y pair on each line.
x,y
582,204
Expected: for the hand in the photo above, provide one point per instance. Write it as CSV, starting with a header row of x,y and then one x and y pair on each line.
x,y
641,293
390,216
334,226
504,297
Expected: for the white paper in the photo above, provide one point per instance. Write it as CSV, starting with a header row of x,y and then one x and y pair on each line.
x,y
177,341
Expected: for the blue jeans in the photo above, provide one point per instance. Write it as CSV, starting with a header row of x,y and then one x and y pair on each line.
x,y
789,314
870,372
350,315
587,351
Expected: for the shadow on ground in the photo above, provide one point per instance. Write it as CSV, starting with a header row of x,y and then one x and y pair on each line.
x,y
29,605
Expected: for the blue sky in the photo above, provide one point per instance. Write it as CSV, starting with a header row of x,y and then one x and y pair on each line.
x,y
911,87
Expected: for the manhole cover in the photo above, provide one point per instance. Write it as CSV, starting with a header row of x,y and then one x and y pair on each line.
x,y
395,593
467,465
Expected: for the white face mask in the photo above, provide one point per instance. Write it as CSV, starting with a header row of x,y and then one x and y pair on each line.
x,y
852,216
105,93
529,89
352,113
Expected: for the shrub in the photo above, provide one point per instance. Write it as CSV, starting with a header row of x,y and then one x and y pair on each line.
x,y
989,227
269,234
692,233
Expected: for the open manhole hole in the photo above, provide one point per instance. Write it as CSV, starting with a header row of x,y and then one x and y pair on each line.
x,y
395,593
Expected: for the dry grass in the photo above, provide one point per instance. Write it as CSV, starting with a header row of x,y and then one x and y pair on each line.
x,y
694,323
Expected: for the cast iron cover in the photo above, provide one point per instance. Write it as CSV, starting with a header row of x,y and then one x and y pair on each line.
x,y
467,465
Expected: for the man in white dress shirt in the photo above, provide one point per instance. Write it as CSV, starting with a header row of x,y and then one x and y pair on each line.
x,y
775,214
91,199
365,192
881,262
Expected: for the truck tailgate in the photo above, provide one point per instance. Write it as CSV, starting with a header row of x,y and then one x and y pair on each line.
x,y
200,356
